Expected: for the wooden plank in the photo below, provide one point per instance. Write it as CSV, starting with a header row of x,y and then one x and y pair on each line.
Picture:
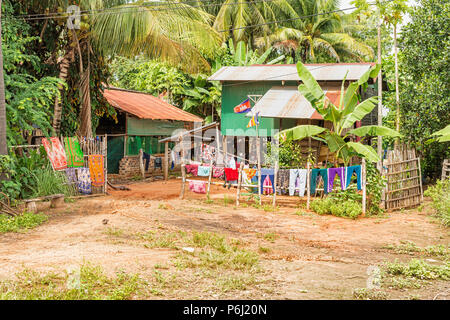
x,y
209,177
238,191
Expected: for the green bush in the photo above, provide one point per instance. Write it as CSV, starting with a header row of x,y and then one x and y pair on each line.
x,y
20,223
440,194
339,208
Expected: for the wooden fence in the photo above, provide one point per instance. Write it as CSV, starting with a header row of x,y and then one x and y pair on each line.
x,y
446,169
404,179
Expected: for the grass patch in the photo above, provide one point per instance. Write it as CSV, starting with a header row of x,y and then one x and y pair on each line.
x,y
418,269
269,208
114,232
369,294
22,222
236,282
271,237
163,206
226,200
264,249
408,247
90,283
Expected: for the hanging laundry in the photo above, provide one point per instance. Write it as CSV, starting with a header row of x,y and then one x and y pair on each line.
x,y
356,170
146,157
267,173
208,152
283,181
250,173
71,175
197,186
203,171
96,169
267,186
332,172
231,174
55,153
192,168
297,181
84,181
231,163
74,154
315,173
218,172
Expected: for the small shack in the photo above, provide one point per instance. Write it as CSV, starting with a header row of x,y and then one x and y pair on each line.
x,y
142,120
273,92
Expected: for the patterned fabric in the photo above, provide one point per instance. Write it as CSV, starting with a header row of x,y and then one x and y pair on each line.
x,y
267,185
192,168
253,121
265,172
84,181
250,173
208,152
55,153
283,181
197,186
218,172
96,170
75,157
203,171
71,175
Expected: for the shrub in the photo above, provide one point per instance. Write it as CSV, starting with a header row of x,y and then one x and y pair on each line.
x,y
343,208
440,194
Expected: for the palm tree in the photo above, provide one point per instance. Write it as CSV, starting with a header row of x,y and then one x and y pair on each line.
x,y
3,145
315,32
167,30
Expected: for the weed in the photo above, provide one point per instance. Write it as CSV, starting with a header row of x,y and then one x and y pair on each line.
x,y
264,249
271,237
163,206
439,193
408,247
269,208
369,294
233,283
113,231
227,200
418,269
22,222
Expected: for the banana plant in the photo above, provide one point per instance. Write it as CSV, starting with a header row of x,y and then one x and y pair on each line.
x,y
442,135
342,116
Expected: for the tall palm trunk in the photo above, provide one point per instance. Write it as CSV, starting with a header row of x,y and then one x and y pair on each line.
x,y
64,65
85,113
397,96
3,145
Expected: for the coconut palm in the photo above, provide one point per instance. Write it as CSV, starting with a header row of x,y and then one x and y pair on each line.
x,y
315,32
167,30
3,145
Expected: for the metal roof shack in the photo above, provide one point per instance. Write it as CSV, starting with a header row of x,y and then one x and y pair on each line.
x,y
288,72
146,106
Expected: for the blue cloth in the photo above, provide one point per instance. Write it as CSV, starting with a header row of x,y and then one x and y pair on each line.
x,y
315,173
267,172
350,171
146,157
203,171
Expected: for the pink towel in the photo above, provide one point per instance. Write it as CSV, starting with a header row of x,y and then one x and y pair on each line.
x,y
197,186
192,168
218,172
267,183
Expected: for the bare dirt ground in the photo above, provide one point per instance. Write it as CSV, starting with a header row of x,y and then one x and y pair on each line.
x,y
301,255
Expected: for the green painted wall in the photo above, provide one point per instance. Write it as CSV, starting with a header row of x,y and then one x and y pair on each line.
x,y
235,124
136,127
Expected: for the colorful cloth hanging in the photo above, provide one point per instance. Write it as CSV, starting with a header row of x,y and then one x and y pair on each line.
x,y
253,121
74,154
208,152
203,171
197,186
243,107
55,153
96,169
192,168
84,181
71,175
315,173
218,172
250,173
283,181
332,172
231,174
267,186
267,173
297,181
356,170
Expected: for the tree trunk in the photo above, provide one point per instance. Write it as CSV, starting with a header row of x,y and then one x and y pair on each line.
x,y
397,97
64,64
85,114
380,101
3,145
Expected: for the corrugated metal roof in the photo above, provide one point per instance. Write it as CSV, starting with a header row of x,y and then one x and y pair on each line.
x,y
288,72
146,106
288,102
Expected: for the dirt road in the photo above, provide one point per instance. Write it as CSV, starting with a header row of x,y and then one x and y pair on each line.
x,y
302,255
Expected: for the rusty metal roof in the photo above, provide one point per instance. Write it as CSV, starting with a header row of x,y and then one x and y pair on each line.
x,y
146,106
288,72
288,102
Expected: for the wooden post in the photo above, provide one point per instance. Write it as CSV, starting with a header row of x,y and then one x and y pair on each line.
x,y
209,177
225,150
183,169
275,175
166,160
218,142
105,156
364,180
238,192
308,184
420,180
258,154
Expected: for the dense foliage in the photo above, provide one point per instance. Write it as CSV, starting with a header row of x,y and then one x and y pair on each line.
x,y
440,194
425,91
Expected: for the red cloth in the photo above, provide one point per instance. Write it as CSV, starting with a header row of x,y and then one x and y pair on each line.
x,y
192,168
231,174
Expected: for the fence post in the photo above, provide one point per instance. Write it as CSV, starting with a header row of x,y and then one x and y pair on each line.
x,y
238,192
308,184
275,175
363,173
209,177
